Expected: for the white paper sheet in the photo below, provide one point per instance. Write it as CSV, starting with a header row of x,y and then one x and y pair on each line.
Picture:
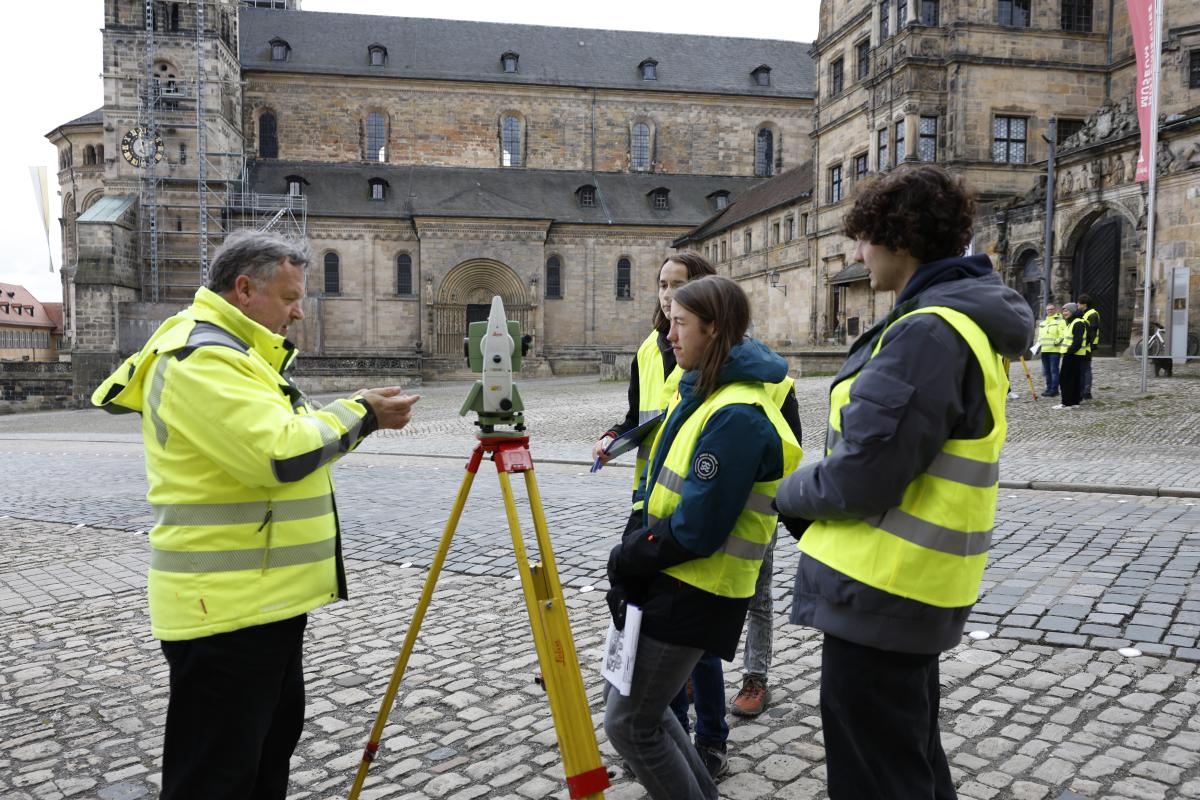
x,y
620,650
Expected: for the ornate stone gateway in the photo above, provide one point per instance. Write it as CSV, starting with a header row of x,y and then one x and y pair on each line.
x,y
1096,272
466,295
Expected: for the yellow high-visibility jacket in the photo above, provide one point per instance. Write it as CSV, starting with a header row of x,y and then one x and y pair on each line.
x,y
933,546
731,571
1050,333
238,466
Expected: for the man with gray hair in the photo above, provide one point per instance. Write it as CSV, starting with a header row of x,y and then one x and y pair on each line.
x,y
246,538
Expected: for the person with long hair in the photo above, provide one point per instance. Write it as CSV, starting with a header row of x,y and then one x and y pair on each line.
x,y
653,379
692,555
900,510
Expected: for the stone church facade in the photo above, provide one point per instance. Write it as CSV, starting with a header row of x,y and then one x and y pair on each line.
x,y
433,164
973,85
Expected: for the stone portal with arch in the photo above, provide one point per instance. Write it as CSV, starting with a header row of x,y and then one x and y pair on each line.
x,y
465,296
1099,256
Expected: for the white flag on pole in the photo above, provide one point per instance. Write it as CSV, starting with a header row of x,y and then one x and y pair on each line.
x,y
41,196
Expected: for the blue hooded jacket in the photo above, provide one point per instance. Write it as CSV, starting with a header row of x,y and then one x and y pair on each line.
x,y
745,446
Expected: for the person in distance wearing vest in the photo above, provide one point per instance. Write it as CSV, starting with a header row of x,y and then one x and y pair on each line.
x,y
1075,349
1091,318
692,555
246,538
1050,331
653,379
900,511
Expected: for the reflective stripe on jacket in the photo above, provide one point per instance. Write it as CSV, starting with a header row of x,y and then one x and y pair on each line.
x,y
933,546
1050,333
733,569
238,465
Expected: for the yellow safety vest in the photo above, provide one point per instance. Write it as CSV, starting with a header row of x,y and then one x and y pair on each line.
x,y
933,546
238,466
1092,318
733,569
1085,347
1050,334
654,392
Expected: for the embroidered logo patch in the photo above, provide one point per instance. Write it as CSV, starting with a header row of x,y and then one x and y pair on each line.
x,y
706,466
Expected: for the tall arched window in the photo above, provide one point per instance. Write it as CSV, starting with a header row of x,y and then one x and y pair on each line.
x,y
333,273
404,276
376,137
100,154
510,141
639,151
764,153
89,155
553,277
624,279
268,141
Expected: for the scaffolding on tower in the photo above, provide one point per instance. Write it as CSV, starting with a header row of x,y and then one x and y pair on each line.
x,y
189,208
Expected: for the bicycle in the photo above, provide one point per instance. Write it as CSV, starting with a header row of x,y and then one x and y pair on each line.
x,y
1157,345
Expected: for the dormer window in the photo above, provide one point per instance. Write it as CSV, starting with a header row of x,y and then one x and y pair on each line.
x,y
509,61
762,75
649,69
660,199
719,200
295,185
376,55
378,188
280,49
587,196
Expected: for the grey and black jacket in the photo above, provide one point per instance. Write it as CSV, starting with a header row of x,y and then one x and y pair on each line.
x,y
923,387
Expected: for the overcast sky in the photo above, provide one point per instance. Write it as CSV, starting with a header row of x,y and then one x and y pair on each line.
x,y
52,59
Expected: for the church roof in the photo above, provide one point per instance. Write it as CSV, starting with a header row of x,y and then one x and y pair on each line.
x,y
504,193
90,118
787,187
455,50
108,208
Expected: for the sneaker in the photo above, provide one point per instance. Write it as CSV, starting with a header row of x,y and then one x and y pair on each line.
x,y
1013,395
753,698
1087,396
1057,407
714,760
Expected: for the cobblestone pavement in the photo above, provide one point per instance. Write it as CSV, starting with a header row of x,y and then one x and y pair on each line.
x,y
1044,705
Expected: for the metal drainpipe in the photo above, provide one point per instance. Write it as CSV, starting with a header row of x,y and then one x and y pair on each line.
x,y
1108,56
1048,234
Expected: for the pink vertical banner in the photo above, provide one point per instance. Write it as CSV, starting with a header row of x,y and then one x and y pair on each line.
x,y
1143,23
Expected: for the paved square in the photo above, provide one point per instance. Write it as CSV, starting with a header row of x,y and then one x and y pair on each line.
x,y
1046,704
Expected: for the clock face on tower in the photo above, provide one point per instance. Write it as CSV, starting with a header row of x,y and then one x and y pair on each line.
x,y
139,146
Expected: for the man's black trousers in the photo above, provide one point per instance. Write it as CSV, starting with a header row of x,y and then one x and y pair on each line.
x,y
235,713
879,716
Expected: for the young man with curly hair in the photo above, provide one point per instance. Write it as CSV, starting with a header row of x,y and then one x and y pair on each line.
x,y
896,520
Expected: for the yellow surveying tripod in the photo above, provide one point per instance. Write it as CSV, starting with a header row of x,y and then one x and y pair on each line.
x,y
586,776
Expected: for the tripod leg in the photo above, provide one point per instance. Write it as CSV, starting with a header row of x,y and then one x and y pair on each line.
x,y
551,628
410,638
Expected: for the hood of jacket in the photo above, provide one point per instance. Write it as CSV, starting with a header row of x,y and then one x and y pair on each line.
x,y
124,389
970,285
748,360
